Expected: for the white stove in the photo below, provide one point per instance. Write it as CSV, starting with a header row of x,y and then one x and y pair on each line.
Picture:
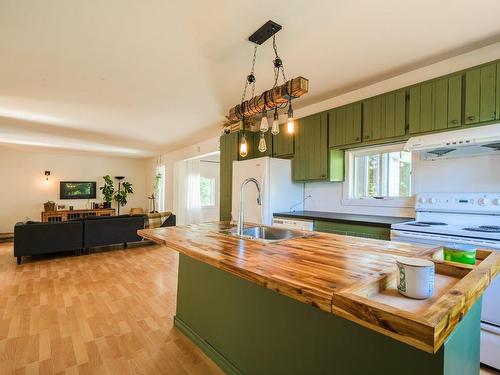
x,y
456,218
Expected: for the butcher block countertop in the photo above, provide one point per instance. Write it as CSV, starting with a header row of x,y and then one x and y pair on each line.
x,y
351,277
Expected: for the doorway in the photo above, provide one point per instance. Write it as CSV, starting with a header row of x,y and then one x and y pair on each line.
x,y
197,197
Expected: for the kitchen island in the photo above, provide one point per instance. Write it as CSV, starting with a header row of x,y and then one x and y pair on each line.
x,y
322,304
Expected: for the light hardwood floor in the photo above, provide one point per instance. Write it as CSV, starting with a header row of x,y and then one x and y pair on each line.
x,y
110,312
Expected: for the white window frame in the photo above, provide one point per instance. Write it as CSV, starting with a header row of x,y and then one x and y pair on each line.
x,y
348,188
214,192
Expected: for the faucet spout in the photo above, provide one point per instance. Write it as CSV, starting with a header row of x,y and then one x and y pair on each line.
x,y
241,217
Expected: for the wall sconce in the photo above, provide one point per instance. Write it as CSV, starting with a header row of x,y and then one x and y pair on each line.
x,y
47,174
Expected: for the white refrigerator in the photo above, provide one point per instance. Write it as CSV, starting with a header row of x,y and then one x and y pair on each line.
x,y
278,191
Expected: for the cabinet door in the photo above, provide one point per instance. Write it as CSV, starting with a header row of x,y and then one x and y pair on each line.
x,y
310,161
480,94
269,144
283,143
228,153
436,105
384,116
344,125
498,92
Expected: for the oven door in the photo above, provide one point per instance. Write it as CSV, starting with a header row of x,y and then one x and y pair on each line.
x,y
441,239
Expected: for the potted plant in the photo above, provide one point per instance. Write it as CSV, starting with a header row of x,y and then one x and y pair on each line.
x,y
121,194
49,206
107,190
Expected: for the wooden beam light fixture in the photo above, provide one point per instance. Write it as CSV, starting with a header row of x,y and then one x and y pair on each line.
x,y
277,97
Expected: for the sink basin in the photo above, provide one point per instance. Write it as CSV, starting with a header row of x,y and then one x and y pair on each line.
x,y
268,234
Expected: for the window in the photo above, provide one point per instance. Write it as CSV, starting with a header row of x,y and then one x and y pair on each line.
x,y
160,188
379,174
207,191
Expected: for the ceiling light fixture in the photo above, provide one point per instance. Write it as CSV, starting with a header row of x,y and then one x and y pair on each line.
x,y
279,96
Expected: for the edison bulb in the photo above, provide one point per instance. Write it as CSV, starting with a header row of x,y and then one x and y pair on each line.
x,y
276,125
264,124
262,143
243,147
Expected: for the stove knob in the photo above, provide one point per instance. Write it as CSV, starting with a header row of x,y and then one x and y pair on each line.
x,y
432,200
422,200
496,202
483,201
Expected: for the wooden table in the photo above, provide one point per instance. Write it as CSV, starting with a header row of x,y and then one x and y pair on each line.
x,y
350,277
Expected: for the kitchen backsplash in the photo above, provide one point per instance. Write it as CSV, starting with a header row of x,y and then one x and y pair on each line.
x,y
473,174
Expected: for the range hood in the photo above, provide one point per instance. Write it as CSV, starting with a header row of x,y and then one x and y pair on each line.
x,y
481,140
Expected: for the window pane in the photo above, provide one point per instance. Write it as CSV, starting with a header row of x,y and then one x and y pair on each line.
x,y
382,175
207,191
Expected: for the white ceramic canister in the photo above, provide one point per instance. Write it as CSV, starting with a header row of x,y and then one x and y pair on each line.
x,y
415,277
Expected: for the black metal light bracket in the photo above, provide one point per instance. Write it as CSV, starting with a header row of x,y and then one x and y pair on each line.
x,y
265,32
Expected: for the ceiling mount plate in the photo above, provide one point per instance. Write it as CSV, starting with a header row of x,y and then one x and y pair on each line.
x,y
265,32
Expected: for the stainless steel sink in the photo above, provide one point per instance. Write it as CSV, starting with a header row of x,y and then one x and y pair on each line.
x,y
268,234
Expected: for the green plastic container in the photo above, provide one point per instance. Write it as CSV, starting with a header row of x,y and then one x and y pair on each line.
x,y
460,253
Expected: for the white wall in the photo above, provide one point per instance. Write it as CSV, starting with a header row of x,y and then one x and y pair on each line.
x,y
23,189
472,174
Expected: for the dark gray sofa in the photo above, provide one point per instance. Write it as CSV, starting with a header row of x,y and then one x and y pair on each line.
x,y
111,230
81,234
43,238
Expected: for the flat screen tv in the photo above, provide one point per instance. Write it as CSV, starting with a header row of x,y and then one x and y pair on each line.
x,y
77,190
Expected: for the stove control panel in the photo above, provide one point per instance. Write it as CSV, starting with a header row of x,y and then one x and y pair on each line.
x,y
487,203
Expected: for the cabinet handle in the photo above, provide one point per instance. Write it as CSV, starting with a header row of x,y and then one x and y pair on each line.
x,y
367,137
323,175
356,139
455,121
471,118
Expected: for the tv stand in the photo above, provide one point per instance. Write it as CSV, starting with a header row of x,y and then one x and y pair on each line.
x,y
65,215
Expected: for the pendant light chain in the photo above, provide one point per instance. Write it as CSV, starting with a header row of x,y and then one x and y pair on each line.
x,y
278,64
250,80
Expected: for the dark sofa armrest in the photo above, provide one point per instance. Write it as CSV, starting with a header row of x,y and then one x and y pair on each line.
x,y
170,222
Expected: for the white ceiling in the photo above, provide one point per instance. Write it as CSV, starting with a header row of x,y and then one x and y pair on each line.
x,y
135,77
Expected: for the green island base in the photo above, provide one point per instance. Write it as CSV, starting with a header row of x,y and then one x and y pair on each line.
x,y
247,329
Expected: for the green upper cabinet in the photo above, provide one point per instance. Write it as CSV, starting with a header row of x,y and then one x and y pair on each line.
x,y
269,144
344,125
310,161
498,91
283,143
481,94
384,116
436,105
228,153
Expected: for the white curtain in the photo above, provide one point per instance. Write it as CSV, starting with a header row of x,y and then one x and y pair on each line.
x,y
193,204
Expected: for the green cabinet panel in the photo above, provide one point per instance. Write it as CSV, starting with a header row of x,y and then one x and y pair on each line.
x,y
355,230
283,143
255,145
344,125
337,163
228,153
384,116
454,101
310,161
498,91
480,94
436,105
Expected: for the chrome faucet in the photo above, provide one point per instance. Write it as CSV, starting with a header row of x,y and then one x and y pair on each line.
x,y
241,218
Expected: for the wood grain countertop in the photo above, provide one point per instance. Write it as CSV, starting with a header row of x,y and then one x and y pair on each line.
x,y
348,276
